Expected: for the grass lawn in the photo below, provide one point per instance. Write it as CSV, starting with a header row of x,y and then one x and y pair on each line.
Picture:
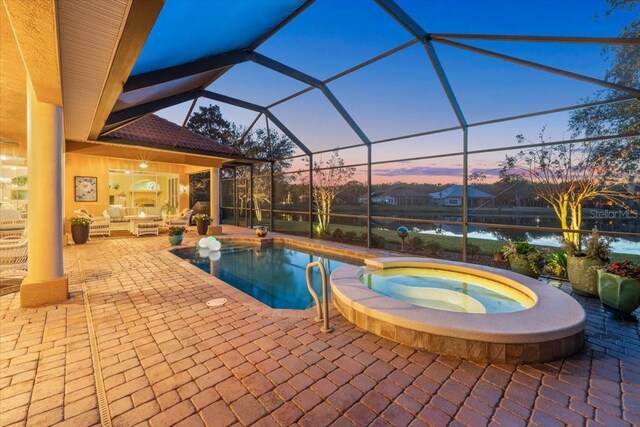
x,y
448,243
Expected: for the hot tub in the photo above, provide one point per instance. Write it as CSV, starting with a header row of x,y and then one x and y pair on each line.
x,y
468,311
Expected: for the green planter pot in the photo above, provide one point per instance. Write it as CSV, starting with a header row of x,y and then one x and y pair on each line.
x,y
583,276
521,265
176,239
618,294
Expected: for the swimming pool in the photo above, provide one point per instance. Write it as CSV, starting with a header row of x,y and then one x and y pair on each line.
x,y
273,274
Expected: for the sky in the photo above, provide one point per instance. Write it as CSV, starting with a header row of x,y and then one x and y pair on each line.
x,y
401,95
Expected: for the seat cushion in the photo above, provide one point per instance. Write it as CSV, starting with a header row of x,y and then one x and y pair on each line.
x,y
114,213
147,225
154,211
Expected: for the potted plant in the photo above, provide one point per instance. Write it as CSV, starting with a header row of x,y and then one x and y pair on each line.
x,y
80,229
202,223
556,266
524,258
176,234
582,266
168,208
619,287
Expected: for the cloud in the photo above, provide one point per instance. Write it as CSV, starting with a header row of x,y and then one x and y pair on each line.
x,y
488,172
420,170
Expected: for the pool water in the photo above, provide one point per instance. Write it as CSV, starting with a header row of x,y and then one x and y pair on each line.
x,y
446,290
273,275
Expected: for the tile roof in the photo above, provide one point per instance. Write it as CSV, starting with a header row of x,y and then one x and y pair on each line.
x,y
156,132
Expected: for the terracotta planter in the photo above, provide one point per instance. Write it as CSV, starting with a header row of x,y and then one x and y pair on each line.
x,y
583,276
618,294
176,239
521,265
79,233
202,227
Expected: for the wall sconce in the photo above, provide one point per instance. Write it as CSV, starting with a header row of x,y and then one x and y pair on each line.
x,y
184,188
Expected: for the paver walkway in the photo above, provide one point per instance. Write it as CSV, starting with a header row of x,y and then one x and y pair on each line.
x,y
168,359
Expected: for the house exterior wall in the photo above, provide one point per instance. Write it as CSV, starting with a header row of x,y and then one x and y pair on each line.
x,y
97,166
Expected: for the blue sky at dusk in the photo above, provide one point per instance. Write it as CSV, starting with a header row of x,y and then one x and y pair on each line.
x,y
401,95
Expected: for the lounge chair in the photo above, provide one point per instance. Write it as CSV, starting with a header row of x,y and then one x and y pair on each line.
x,y
11,223
183,220
13,256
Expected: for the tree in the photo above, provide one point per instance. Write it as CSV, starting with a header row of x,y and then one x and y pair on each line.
x,y
566,176
208,121
256,144
620,118
330,178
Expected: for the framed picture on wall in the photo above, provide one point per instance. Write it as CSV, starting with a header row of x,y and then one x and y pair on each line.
x,y
86,188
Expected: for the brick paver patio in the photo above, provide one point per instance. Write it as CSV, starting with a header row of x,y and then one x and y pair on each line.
x,y
168,359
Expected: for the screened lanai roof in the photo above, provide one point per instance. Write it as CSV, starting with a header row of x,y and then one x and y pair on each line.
x,y
317,70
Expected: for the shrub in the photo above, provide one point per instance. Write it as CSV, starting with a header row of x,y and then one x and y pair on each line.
x,y
525,251
432,247
201,217
624,268
376,240
554,269
473,249
520,248
350,237
556,265
176,231
560,259
337,235
168,208
415,244
321,233
598,247
80,220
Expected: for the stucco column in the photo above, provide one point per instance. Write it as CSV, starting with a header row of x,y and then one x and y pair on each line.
x,y
45,282
214,194
214,201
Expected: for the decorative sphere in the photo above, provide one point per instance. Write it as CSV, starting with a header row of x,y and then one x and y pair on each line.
x,y
402,232
261,231
203,252
215,255
214,245
203,243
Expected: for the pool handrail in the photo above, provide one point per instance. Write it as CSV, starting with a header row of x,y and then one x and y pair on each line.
x,y
322,308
